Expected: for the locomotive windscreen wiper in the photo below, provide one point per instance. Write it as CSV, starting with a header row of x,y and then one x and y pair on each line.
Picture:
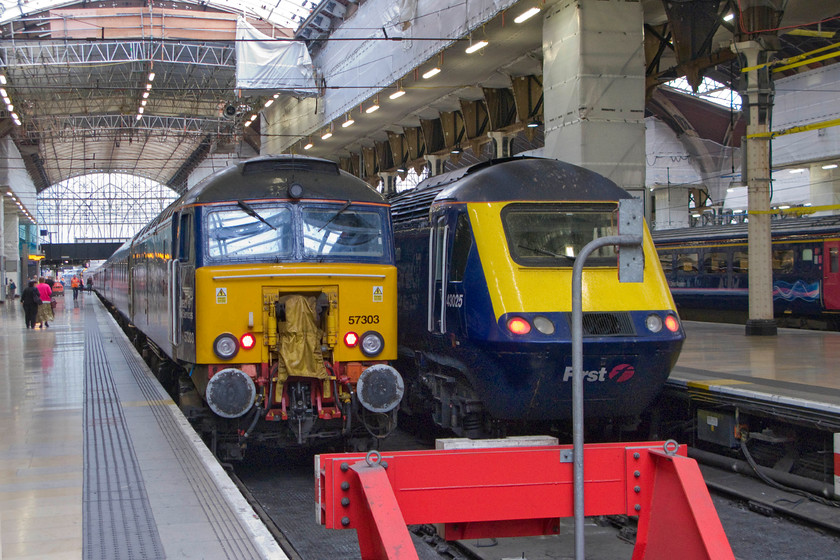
x,y
253,213
544,252
336,215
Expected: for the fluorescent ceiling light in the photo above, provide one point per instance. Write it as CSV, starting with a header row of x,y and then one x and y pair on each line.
x,y
326,136
830,166
397,94
269,102
347,123
527,15
729,17
309,145
433,72
151,76
476,46
372,108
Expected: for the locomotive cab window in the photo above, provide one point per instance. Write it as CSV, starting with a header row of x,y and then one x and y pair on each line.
x,y
342,231
249,232
552,235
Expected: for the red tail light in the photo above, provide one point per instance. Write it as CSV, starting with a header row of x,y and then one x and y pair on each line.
x,y
247,341
351,339
518,325
671,323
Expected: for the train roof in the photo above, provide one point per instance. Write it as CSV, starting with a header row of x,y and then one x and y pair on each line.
x,y
791,226
272,176
517,178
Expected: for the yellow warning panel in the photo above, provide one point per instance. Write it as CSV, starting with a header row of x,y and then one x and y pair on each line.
x,y
712,382
221,295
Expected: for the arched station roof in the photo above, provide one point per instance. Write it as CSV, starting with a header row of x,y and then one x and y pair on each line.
x,y
76,73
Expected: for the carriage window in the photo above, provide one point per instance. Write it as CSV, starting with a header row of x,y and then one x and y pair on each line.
x,y
687,263
833,259
342,231
552,235
714,263
234,233
185,238
740,262
807,255
667,261
783,260
460,248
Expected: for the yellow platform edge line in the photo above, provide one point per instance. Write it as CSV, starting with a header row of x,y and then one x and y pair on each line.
x,y
159,402
713,382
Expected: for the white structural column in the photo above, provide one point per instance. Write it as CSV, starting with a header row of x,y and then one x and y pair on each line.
x,y
594,88
389,183
759,99
501,143
436,164
11,246
3,210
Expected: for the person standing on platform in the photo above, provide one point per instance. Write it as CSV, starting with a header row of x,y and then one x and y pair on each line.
x,y
90,284
12,289
31,301
76,284
45,312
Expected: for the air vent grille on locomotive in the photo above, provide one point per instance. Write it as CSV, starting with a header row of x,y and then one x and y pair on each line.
x,y
607,324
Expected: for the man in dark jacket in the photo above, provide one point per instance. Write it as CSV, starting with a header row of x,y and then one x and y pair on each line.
x,y
30,299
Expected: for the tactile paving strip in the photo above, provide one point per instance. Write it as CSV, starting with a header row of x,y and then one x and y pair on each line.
x,y
117,518
233,536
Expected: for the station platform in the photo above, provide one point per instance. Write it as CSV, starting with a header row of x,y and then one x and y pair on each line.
x,y
792,374
96,461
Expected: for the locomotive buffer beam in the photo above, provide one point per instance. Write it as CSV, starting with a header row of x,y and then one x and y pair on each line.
x,y
489,493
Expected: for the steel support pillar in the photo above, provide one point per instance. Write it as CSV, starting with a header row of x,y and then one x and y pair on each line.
x,y
758,98
489,493
594,88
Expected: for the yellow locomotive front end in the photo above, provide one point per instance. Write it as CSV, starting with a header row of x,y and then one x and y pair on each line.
x,y
302,346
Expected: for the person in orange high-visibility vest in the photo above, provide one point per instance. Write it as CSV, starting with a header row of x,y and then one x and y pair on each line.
x,y
76,284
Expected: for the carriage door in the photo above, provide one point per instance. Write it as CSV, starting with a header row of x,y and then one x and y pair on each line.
x,y
437,275
174,284
831,274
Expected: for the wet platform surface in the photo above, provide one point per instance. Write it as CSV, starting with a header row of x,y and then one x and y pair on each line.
x,y
96,461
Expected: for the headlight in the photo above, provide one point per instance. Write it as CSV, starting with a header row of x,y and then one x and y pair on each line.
x,y
372,344
544,324
226,346
653,323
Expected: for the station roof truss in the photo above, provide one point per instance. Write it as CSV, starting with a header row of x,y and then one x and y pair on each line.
x,y
77,72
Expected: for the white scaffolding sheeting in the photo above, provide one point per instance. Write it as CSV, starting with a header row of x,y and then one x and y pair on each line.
x,y
265,64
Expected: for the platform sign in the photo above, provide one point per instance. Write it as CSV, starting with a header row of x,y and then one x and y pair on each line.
x,y
631,259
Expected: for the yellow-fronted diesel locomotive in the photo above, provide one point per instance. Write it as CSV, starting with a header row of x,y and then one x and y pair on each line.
x,y
268,291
